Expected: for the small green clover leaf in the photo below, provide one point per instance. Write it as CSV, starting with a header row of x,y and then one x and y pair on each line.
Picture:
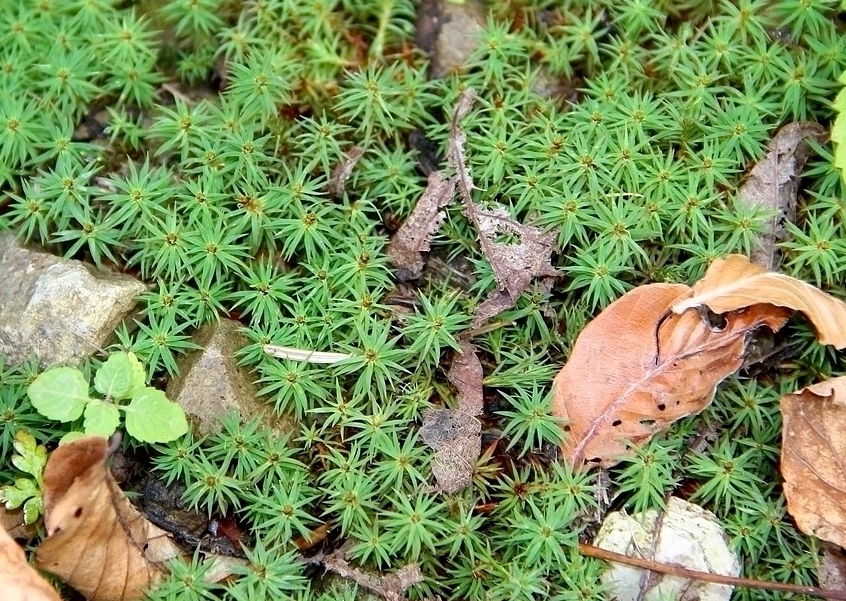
x,y
120,376
152,417
101,418
59,393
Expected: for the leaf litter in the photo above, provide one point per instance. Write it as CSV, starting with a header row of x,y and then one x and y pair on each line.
x,y
456,434
97,542
813,448
18,580
514,265
773,185
651,357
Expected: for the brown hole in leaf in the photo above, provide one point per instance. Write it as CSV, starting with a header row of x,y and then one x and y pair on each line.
x,y
616,422
567,428
78,512
661,407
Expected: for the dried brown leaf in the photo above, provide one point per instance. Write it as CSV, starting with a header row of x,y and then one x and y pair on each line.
x,y
773,183
456,438
832,570
343,171
637,368
734,283
812,452
97,541
514,265
18,581
414,235
466,375
456,434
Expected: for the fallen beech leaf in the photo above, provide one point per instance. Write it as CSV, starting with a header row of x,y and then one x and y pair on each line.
x,y
97,541
812,451
18,581
773,183
637,368
734,283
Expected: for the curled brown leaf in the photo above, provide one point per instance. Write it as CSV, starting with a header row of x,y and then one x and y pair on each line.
x,y
637,368
97,542
735,283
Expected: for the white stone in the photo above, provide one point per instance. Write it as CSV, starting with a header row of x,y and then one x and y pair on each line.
x,y
689,536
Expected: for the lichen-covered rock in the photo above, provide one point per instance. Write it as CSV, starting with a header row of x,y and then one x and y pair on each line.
x,y
61,311
688,536
210,384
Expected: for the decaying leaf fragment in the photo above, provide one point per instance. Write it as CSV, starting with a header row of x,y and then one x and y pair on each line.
x,y
638,367
343,171
456,434
18,581
514,264
97,541
812,452
392,586
734,283
414,235
773,183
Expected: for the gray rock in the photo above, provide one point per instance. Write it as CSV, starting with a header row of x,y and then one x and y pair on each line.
x,y
59,310
449,32
210,384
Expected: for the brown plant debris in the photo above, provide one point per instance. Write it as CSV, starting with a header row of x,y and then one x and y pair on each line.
x,y
773,184
18,581
812,451
343,171
97,542
637,368
390,586
526,255
456,434
734,283
514,264
414,235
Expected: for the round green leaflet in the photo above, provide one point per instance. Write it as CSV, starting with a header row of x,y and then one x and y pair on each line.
x,y
59,393
120,376
101,418
152,417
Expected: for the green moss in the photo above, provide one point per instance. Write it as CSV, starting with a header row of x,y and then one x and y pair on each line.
x,y
219,197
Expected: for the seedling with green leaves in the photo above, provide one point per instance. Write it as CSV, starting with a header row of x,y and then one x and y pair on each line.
x,y
63,394
30,458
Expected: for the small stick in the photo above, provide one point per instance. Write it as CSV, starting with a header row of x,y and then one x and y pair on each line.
x,y
646,564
